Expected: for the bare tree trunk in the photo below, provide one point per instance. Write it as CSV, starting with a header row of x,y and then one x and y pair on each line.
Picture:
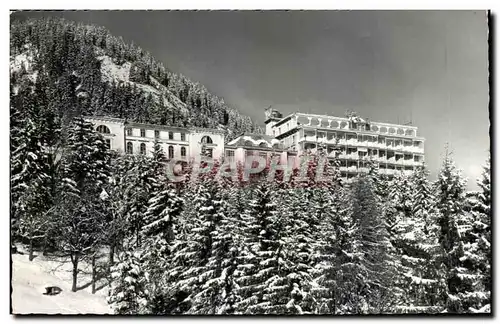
x,y
45,243
94,273
31,256
111,254
74,260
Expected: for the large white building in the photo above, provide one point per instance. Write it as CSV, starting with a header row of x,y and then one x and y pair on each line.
x,y
355,141
179,143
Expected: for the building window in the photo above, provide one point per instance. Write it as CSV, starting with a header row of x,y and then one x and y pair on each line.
x,y
143,132
157,134
103,129
143,148
183,136
108,144
130,148
170,152
206,140
170,135
229,153
129,131
210,153
183,151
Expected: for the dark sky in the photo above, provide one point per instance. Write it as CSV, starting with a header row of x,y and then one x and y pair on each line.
x,y
430,67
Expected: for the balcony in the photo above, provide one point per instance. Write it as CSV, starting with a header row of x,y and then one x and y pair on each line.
x,y
355,142
351,156
387,171
352,168
401,148
313,139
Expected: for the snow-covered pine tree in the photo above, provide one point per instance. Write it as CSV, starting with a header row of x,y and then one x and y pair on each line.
x,y
158,164
479,249
328,203
128,294
337,247
217,295
139,184
340,265
399,226
158,234
33,208
159,219
417,245
300,236
398,206
32,164
463,293
193,249
267,284
375,270
381,183
29,182
119,194
85,170
484,183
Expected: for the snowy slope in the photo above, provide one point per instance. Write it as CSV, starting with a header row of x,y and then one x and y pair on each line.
x,y
30,278
24,60
110,71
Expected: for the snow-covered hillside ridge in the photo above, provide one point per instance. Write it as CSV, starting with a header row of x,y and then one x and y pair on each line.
x,y
29,280
121,80
111,71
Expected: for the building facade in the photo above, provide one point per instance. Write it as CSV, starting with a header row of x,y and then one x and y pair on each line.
x,y
265,146
179,143
355,141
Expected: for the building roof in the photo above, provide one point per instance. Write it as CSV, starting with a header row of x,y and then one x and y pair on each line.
x,y
154,126
105,119
251,139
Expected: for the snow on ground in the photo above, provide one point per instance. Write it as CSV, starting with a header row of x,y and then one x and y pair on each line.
x,y
29,280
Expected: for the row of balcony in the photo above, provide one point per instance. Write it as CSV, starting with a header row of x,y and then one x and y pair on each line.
x,y
380,159
355,142
380,171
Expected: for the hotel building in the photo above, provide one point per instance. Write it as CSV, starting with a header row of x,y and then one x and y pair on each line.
x,y
354,141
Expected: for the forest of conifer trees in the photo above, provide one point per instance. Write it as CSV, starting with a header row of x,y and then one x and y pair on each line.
x,y
216,245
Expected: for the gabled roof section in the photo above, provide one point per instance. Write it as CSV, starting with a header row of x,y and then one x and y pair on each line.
x,y
250,139
105,119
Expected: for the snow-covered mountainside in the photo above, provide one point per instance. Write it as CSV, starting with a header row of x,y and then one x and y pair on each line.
x,y
118,79
120,74
29,280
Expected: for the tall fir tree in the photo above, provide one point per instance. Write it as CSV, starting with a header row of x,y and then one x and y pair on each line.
x,y
454,237
128,294
84,174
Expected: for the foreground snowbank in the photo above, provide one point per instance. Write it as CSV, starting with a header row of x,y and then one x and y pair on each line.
x,y
30,278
